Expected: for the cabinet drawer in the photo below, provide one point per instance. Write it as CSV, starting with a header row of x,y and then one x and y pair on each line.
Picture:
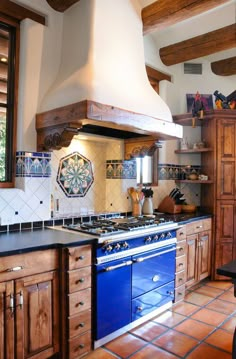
x,y
79,301
180,248
22,265
80,323
79,346
194,227
179,293
179,278
180,264
79,257
79,279
206,224
181,233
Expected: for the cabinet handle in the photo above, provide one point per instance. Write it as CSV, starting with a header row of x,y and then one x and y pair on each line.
x,y
139,309
12,303
81,280
180,249
14,269
80,258
199,227
81,346
180,279
21,299
81,325
81,303
181,264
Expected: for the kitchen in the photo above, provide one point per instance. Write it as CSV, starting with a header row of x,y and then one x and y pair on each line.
x,y
30,202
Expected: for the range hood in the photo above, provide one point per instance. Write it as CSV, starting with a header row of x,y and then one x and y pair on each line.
x,y
102,86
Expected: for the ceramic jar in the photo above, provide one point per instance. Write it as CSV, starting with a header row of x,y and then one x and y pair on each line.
x,y
147,206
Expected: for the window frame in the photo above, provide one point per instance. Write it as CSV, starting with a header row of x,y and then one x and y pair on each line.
x,y
12,98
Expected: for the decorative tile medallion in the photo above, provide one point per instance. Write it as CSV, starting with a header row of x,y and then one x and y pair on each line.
x,y
75,175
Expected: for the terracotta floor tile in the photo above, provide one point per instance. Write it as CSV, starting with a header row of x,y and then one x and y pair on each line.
x,y
220,284
209,317
185,308
198,299
148,331
222,306
209,291
100,354
195,329
169,318
125,345
151,352
176,343
229,297
221,339
204,351
229,325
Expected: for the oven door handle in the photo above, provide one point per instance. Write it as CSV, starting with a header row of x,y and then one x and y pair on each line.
x,y
141,259
124,264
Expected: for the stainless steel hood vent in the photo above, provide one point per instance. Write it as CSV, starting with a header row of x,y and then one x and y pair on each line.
x,y
102,81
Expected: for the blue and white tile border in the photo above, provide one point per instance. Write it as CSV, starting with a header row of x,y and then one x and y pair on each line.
x,y
33,164
119,169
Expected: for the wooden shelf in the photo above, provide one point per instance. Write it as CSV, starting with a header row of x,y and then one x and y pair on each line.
x,y
194,181
199,150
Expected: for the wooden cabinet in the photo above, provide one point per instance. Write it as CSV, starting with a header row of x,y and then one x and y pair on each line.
x,y
226,159
180,264
198,251
29,317
76,306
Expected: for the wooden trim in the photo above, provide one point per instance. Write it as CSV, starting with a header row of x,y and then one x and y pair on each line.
x,y
18,12
156,75
199,46
164,13
186,118
226,67
61,5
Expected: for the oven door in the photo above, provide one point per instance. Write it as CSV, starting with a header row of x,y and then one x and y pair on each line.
x,y
153,280
113,296
153,269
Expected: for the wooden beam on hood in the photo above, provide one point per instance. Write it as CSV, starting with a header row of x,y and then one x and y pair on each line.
x,y
199,46
18,12
163,13
226,67
61,5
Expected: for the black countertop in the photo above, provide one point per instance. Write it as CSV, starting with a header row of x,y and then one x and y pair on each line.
x,y
28,241
56,237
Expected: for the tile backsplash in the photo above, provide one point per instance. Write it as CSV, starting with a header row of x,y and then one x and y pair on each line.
x,y
38,191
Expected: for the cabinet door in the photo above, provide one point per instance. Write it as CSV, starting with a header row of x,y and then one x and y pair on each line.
x,y
6,320
225,234
191,259
226,158
204,254
37,316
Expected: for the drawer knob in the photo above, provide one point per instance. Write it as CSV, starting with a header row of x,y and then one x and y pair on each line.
x,y
81,303
139,309
181,264
169,292
80,258
81,325
81,346
81,280
180,279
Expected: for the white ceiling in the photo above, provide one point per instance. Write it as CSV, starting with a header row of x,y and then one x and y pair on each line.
x,y
211,20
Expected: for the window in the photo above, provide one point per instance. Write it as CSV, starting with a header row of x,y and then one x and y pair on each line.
x,y
147,169
9,33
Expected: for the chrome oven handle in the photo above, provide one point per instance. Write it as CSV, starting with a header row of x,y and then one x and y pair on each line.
x,y
124,264
141,259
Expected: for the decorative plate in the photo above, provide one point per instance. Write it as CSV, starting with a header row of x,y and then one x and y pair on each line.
x,y
75,175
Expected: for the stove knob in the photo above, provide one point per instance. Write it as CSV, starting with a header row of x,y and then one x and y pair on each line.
x,y
155,238
117,246
162,236
148,239
125,245
109,248
169,235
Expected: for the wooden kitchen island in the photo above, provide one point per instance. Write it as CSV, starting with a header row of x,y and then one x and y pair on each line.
x,y
229,270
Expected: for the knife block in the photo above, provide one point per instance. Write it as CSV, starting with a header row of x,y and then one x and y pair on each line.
x,y
168,205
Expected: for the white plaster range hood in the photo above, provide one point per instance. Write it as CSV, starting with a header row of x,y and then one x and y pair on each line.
x,y
102,83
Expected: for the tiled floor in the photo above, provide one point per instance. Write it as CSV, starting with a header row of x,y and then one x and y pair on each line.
x,y
200,327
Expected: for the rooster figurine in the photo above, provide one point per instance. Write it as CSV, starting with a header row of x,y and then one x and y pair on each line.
x,y
197,108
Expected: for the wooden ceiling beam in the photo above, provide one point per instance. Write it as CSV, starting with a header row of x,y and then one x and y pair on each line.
x,y
163,13
199,46
226,67
157,75
18,12
61,5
